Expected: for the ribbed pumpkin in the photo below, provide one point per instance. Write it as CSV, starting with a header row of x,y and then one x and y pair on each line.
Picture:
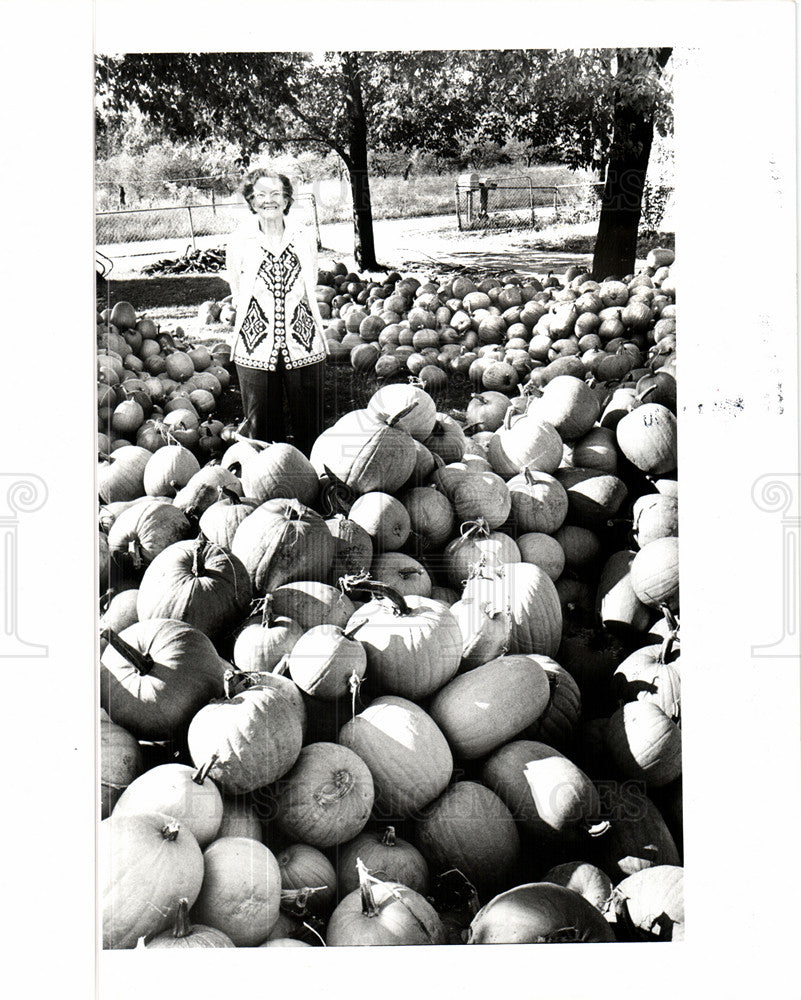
x,y
413,644
383,913
546,792
644,743
384,518
145,529
485,631
402,573
619,608
651,903
168,469
531,597
408,756
308,881
283,541
365,454
120,763
474,495
585,879
391,401
558,724
326,797
524,441
569,405
385,856
539,913
447,439
480,709
219,521
353,547
252,738
470,829
241,891
156,674
328,662
597,449
476,546
655,573
121,475
264,639
177,790
647,437
196,582
638,837
650,673
539,502
655,516
147,863
593,496
280,471
543,551
310,603
188,935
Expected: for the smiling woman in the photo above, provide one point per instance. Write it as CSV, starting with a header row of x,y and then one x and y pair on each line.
x,y
279,348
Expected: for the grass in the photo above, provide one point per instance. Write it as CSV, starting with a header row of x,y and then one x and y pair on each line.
x,y
392,198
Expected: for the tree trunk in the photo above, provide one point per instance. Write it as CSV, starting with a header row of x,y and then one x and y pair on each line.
x,y
363,240
621,203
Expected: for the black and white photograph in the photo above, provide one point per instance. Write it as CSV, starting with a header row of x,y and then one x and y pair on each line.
x,y
385,631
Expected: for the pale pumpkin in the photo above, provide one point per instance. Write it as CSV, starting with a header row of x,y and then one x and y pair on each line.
x,y
145,529
326,797
539,913
644,743
328,662
121,762
406,752
474,495
308,881
584,878
385,856
539,502
310,603
280,471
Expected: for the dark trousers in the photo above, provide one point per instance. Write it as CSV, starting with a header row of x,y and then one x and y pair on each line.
x,y
264,394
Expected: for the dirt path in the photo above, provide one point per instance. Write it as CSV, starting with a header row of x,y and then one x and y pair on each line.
x,y
423,245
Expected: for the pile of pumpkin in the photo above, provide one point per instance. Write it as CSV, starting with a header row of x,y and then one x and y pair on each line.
x,y
500,334
419,688
155,388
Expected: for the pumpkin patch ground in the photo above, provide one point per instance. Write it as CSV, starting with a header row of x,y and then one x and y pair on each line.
x,y
421,686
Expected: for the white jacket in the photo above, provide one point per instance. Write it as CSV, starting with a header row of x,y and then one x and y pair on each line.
x,y
278,319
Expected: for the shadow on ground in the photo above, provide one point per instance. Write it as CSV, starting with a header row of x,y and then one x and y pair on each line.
x,y
168,291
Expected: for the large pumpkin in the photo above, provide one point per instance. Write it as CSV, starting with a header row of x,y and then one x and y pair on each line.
x,y
546,792
644,743
264,639
533,602
539,501
413,644
241,892
470,829
586,879
121,476
405,406
120,763
383,913
593,496
651,673
353,547
145,529
156,674
558,723
250,739
474,495
647,437
539,913
524,442
485,631
326,798
219,521
408,756
431,516
621,612
655,573
283,541
280,471
148,863
365,454
310,603
196,582
168,469
650,903
328,662
484,707
386,856
476,546
638,836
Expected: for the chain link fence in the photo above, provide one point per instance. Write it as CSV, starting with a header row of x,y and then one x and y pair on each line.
x,y
186,222
515,202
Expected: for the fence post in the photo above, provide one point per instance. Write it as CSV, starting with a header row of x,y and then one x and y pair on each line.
x,y
191,227
313,201
458,207
213,203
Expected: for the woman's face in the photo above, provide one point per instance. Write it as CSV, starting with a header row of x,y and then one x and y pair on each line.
x,y
269,199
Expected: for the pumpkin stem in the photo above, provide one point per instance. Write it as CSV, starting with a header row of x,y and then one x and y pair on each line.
x,y
378,590
477,527
470,429
197,555
369,906
182,926
266,608
171,829
142,663
333,791
401,414
296,901
135,553
645,392
600,828
226,493
337,497
315,932
354,685
203,772
388,839
230,678
670,618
